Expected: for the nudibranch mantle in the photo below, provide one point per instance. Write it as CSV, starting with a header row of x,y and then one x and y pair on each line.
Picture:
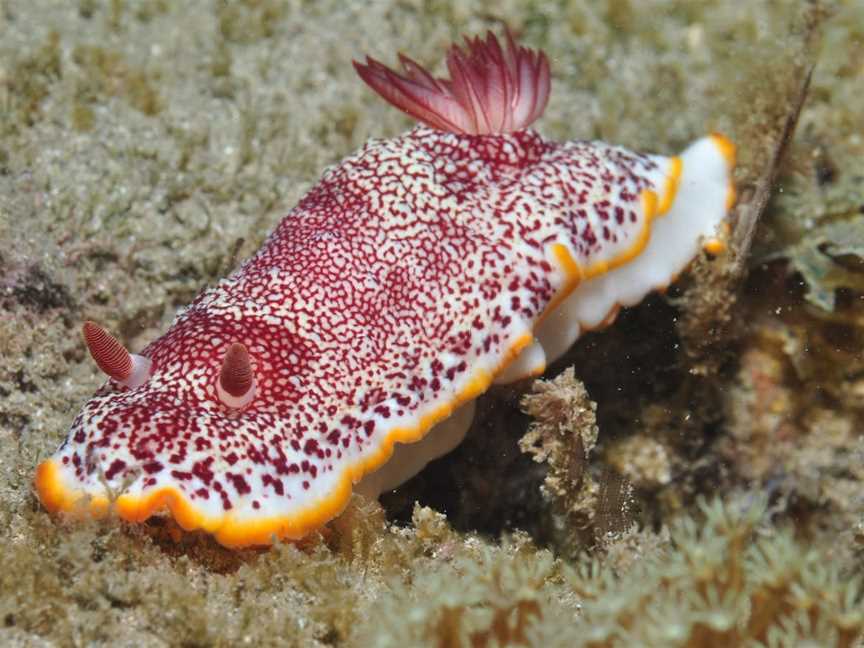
x,y
416,272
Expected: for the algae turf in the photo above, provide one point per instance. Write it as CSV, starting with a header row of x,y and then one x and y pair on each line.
x,y
146,147
729,576
712,581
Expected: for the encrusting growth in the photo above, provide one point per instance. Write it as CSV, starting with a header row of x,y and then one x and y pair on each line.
x,y
416,272
563,434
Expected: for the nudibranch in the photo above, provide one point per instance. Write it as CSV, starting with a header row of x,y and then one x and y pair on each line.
x,y
346,352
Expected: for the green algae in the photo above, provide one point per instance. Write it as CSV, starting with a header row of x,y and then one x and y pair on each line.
x,y
819,257
147,147
104,72
250,21
29,82
815,215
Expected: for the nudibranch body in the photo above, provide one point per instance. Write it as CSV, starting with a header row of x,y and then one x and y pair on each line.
x,y
416,272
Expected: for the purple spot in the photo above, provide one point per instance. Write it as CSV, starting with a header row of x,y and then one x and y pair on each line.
x,y
152,467
116,466
201,469
240,484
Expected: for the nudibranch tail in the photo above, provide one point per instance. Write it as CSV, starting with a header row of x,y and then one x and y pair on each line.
x,y
111,356
490,91
688,201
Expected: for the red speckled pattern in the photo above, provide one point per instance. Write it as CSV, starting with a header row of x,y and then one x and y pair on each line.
x,y
411,265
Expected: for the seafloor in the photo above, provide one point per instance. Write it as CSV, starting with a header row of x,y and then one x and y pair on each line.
x,y
147,146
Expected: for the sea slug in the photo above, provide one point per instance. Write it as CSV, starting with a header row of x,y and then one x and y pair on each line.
x,y
416,272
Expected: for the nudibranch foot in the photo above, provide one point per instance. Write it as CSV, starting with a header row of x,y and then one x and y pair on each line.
x,y
409,459
348,350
